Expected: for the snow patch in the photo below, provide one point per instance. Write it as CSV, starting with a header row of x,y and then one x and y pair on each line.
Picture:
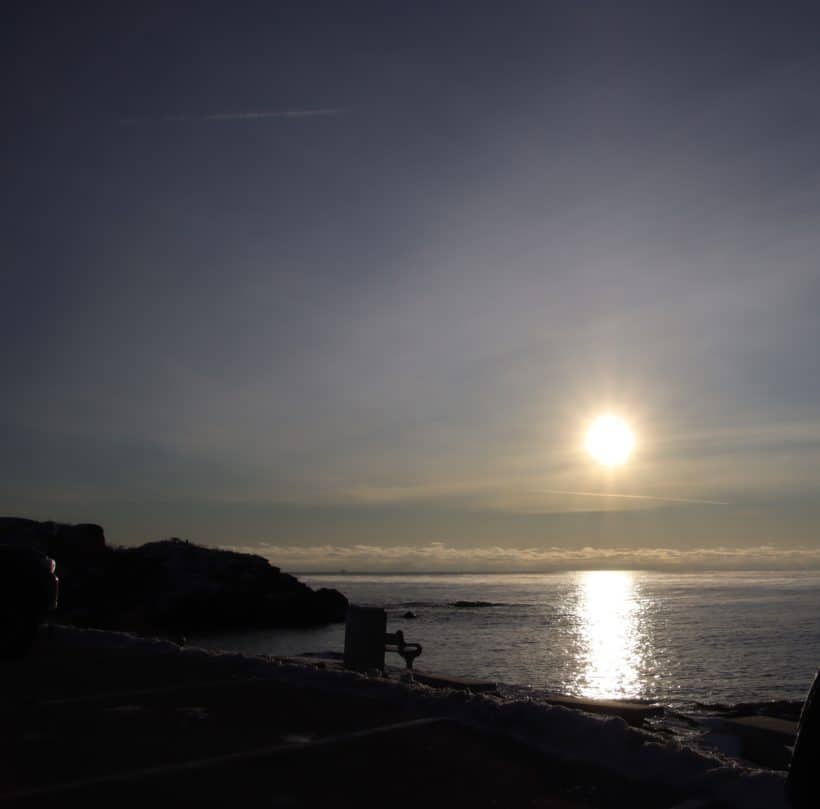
x,y
607,743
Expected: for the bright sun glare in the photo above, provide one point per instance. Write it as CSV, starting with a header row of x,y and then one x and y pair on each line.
x,y
609,440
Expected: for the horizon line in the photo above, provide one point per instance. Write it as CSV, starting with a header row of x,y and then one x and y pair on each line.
x,y
549,571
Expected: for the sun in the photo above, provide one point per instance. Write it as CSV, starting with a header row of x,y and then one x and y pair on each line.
x,y
609,440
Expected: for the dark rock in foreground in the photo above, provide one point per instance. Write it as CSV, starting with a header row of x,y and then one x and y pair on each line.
x,y
170,586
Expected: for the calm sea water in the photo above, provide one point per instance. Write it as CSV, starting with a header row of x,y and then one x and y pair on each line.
x,y
677,639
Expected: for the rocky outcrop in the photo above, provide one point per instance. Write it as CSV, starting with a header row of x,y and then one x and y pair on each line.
x,y
52,538
171,586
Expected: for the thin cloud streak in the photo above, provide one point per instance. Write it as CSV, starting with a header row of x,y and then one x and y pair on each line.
x,y
321,112
639,497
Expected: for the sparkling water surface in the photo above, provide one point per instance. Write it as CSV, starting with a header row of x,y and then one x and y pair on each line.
x,y
672,638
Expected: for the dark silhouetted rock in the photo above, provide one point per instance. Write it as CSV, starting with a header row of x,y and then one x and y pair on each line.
x,y
170,587
803,781
409,614
54,539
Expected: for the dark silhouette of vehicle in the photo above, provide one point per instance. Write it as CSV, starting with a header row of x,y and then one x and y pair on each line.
x,y
28,593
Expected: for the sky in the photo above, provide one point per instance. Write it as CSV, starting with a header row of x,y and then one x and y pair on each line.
x,y
345,283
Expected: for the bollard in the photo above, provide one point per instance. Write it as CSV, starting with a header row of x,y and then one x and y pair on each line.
x,y
803,782
364,638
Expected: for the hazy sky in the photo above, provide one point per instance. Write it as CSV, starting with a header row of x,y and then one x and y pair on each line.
x,y
346,274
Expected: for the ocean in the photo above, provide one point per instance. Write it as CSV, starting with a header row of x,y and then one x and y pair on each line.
x,y
678,639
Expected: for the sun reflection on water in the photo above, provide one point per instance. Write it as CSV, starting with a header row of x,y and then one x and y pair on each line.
x,y
610,632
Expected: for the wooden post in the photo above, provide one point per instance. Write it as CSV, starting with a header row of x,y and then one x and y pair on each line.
x,y
364,638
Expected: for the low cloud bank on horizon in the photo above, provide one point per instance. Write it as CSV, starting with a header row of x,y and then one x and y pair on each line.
x,y
439,557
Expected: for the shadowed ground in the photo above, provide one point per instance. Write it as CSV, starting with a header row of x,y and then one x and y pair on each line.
x,y
115,727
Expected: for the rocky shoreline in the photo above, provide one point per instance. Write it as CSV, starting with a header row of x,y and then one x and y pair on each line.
x,y
170,587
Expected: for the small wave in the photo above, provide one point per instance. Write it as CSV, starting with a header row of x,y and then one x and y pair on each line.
x,y
782,709
468,605
401,605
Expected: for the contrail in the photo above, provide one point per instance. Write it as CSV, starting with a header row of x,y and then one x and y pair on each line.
x,y
639,497
321,112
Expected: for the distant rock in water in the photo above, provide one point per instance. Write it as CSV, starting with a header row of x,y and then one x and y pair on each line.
x,y
409,615
466,605
169,587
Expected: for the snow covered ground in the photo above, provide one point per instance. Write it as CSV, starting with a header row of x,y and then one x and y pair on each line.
x,y
574,736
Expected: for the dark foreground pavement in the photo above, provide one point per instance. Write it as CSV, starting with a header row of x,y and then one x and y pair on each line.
x,y
113,727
